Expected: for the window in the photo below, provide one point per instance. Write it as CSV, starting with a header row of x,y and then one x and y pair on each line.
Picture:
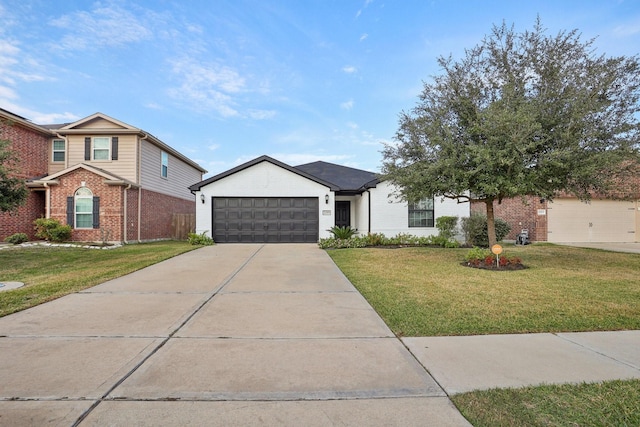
x,y
421,213
165,165
58,150
84,208
101,147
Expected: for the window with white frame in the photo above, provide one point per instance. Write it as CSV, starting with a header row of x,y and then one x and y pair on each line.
x,y
164,171
83,208
101,145
59,150
421,214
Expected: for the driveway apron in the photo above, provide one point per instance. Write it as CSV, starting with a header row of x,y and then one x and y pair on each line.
x,y
224,335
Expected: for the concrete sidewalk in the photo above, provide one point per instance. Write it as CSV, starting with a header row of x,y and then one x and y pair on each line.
x,y
262,335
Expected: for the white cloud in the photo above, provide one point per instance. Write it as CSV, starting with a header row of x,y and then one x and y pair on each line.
x,y
154,106
262,114
207,86
213,147
347,105
49,118
366,4
364,37
627,30
106,25
7,93
36,116
349,69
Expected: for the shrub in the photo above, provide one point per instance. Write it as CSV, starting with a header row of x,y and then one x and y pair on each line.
x,y
477,254
50,229
200,239
375,239
345,232
379,239
475,232
61,233
447,226
17,238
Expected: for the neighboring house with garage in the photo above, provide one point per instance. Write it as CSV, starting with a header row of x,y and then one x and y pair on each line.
x,y
265,200
567,219
107,179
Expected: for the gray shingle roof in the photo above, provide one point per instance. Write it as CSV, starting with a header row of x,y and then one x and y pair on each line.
x,y
345,178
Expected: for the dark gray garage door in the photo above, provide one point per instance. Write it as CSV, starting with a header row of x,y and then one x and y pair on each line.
x,y
265,219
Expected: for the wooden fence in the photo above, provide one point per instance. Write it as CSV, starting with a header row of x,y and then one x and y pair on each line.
x,y
182,225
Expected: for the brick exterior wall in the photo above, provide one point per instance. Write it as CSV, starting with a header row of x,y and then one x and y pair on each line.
x,y
157,214
111,205
520,215
31,148
132,214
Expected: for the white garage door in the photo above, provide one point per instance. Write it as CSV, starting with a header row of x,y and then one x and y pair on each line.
x,y
570,220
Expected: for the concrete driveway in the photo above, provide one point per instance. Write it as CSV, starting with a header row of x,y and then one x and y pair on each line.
x,y
224,335
633,248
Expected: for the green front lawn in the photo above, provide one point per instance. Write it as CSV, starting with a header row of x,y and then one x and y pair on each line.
x,y
612,403
426,292
52,272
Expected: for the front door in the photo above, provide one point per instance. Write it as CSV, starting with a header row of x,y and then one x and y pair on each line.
x,y
343,214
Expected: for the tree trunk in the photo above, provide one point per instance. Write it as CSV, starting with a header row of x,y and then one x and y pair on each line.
x,y
491,223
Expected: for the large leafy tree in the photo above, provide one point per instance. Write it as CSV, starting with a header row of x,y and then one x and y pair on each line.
x,y
13,191
522,114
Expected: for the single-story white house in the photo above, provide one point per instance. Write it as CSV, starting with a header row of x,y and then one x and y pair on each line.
x,y
265,200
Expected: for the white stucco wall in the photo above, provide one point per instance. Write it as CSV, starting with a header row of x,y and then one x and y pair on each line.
x,y
390,216
265,180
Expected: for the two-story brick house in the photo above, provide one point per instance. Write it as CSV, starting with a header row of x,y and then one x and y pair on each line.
x,y
107,179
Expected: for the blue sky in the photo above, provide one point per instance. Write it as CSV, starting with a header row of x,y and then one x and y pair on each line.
x,y
224,82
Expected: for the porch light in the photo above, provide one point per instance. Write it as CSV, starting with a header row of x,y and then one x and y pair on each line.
x,y
202,198
326,199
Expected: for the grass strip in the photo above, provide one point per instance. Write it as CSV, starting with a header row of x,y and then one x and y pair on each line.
x,y
611,403
51,272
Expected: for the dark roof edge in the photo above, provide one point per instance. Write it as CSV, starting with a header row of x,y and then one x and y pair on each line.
x,y
199,185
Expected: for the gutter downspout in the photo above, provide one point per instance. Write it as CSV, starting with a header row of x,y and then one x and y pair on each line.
x,y
369,211
125,218
47,201
140,185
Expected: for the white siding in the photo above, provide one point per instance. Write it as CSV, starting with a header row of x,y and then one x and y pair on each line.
x,y
179,177
264,180
390,216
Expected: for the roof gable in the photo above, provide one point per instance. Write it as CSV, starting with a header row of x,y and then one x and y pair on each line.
x,y
249,164
99,121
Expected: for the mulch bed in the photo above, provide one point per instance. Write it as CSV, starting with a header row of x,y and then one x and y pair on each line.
x,y
493,267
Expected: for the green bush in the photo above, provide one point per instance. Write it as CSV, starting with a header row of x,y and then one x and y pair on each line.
x,y
200,239
446,226
475,232
17,238
61,233
477,254
379,239
50,229
345,232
